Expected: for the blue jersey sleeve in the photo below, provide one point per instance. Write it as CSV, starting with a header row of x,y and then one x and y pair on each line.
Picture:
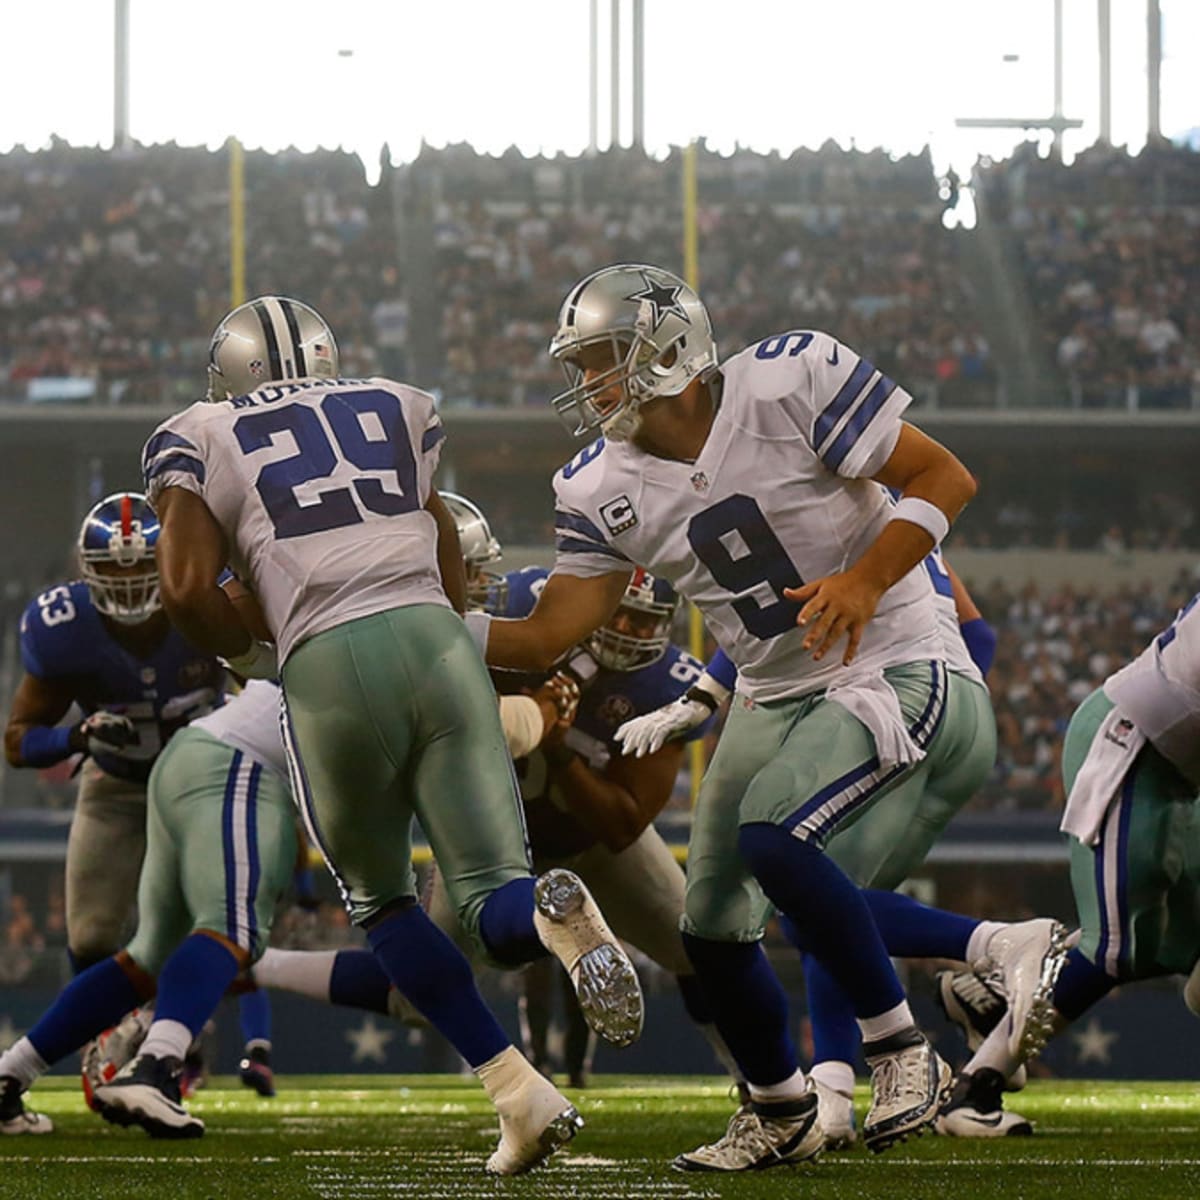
x,y
721,668
522,592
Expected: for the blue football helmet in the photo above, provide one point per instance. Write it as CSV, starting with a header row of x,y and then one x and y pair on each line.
x,y
116,554
638,633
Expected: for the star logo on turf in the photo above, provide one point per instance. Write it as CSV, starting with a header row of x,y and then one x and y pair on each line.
x,y
662,300
1093,1044
369,1041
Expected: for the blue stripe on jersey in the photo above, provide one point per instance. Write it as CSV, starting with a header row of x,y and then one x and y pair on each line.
x,y
567,545
578,524
176,462
166,440
837,408
431,437
876,398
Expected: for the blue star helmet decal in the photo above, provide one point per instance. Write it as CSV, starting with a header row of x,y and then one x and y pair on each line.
x,y
663,298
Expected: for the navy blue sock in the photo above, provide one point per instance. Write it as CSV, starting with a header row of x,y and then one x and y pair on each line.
x,y
87,1006
749,1007
834,1030
430,970
194,979
830,913
913,930
506,924
254,1013
695,1000
1080,985
358,980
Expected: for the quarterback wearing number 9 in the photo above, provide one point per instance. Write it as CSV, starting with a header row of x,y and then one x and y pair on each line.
x,y
753,487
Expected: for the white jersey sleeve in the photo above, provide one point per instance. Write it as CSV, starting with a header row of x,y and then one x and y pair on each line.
x,y
581,545
320,487
849,412
1160,691
249,722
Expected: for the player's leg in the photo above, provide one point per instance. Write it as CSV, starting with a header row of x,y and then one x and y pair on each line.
x,y
826,775
100,995
254,1018
467,800
641,891
104,859
234,834
351,763
724,918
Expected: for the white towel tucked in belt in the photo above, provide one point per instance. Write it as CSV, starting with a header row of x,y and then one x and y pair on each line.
x,y
874,702
1109,757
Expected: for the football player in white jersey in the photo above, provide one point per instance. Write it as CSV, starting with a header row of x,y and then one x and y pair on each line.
x,y
749,486
1131,768
317,491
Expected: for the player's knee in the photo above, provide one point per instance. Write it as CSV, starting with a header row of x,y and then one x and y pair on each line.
x,y
775,792
94,938
715,915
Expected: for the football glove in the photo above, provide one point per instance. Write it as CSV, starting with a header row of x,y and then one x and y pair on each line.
x,y
101,732
647,734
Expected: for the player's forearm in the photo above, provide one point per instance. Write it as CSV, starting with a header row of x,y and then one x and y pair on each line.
x,y
606,810
522,645
207,618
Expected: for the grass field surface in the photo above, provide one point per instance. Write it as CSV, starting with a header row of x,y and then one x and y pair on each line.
x,y
345,1138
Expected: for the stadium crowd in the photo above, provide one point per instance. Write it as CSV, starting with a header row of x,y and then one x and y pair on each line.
x,y
106,272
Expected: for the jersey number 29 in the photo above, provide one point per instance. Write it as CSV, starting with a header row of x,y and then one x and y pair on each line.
x,y
317,457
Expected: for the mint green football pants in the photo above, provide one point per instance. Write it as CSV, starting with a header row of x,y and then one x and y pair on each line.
x,y
809,766
220,849
1137,889
394,716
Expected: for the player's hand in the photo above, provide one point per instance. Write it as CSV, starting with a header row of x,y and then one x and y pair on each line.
x,y
558,698
189,705
645,735
258,662
103,731
838,606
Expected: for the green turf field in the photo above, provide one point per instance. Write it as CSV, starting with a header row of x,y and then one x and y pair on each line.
x,y
338,1138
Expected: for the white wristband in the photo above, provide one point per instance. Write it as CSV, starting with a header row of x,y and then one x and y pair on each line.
x,y
478,625
920,512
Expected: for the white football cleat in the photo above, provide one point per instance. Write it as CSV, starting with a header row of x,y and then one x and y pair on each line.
x,y
909,1081
976,1008
573,929
836,1116
1023,962
15,1118
105,1055
761,1136
535,1121
975,1110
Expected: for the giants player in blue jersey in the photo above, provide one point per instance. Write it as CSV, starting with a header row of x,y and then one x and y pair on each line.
x,y
104,643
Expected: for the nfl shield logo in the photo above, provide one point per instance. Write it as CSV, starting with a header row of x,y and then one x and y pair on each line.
x,y
700,481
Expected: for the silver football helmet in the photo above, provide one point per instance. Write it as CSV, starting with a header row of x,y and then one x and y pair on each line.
x,y
658,336
267,340
485,589
638,633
